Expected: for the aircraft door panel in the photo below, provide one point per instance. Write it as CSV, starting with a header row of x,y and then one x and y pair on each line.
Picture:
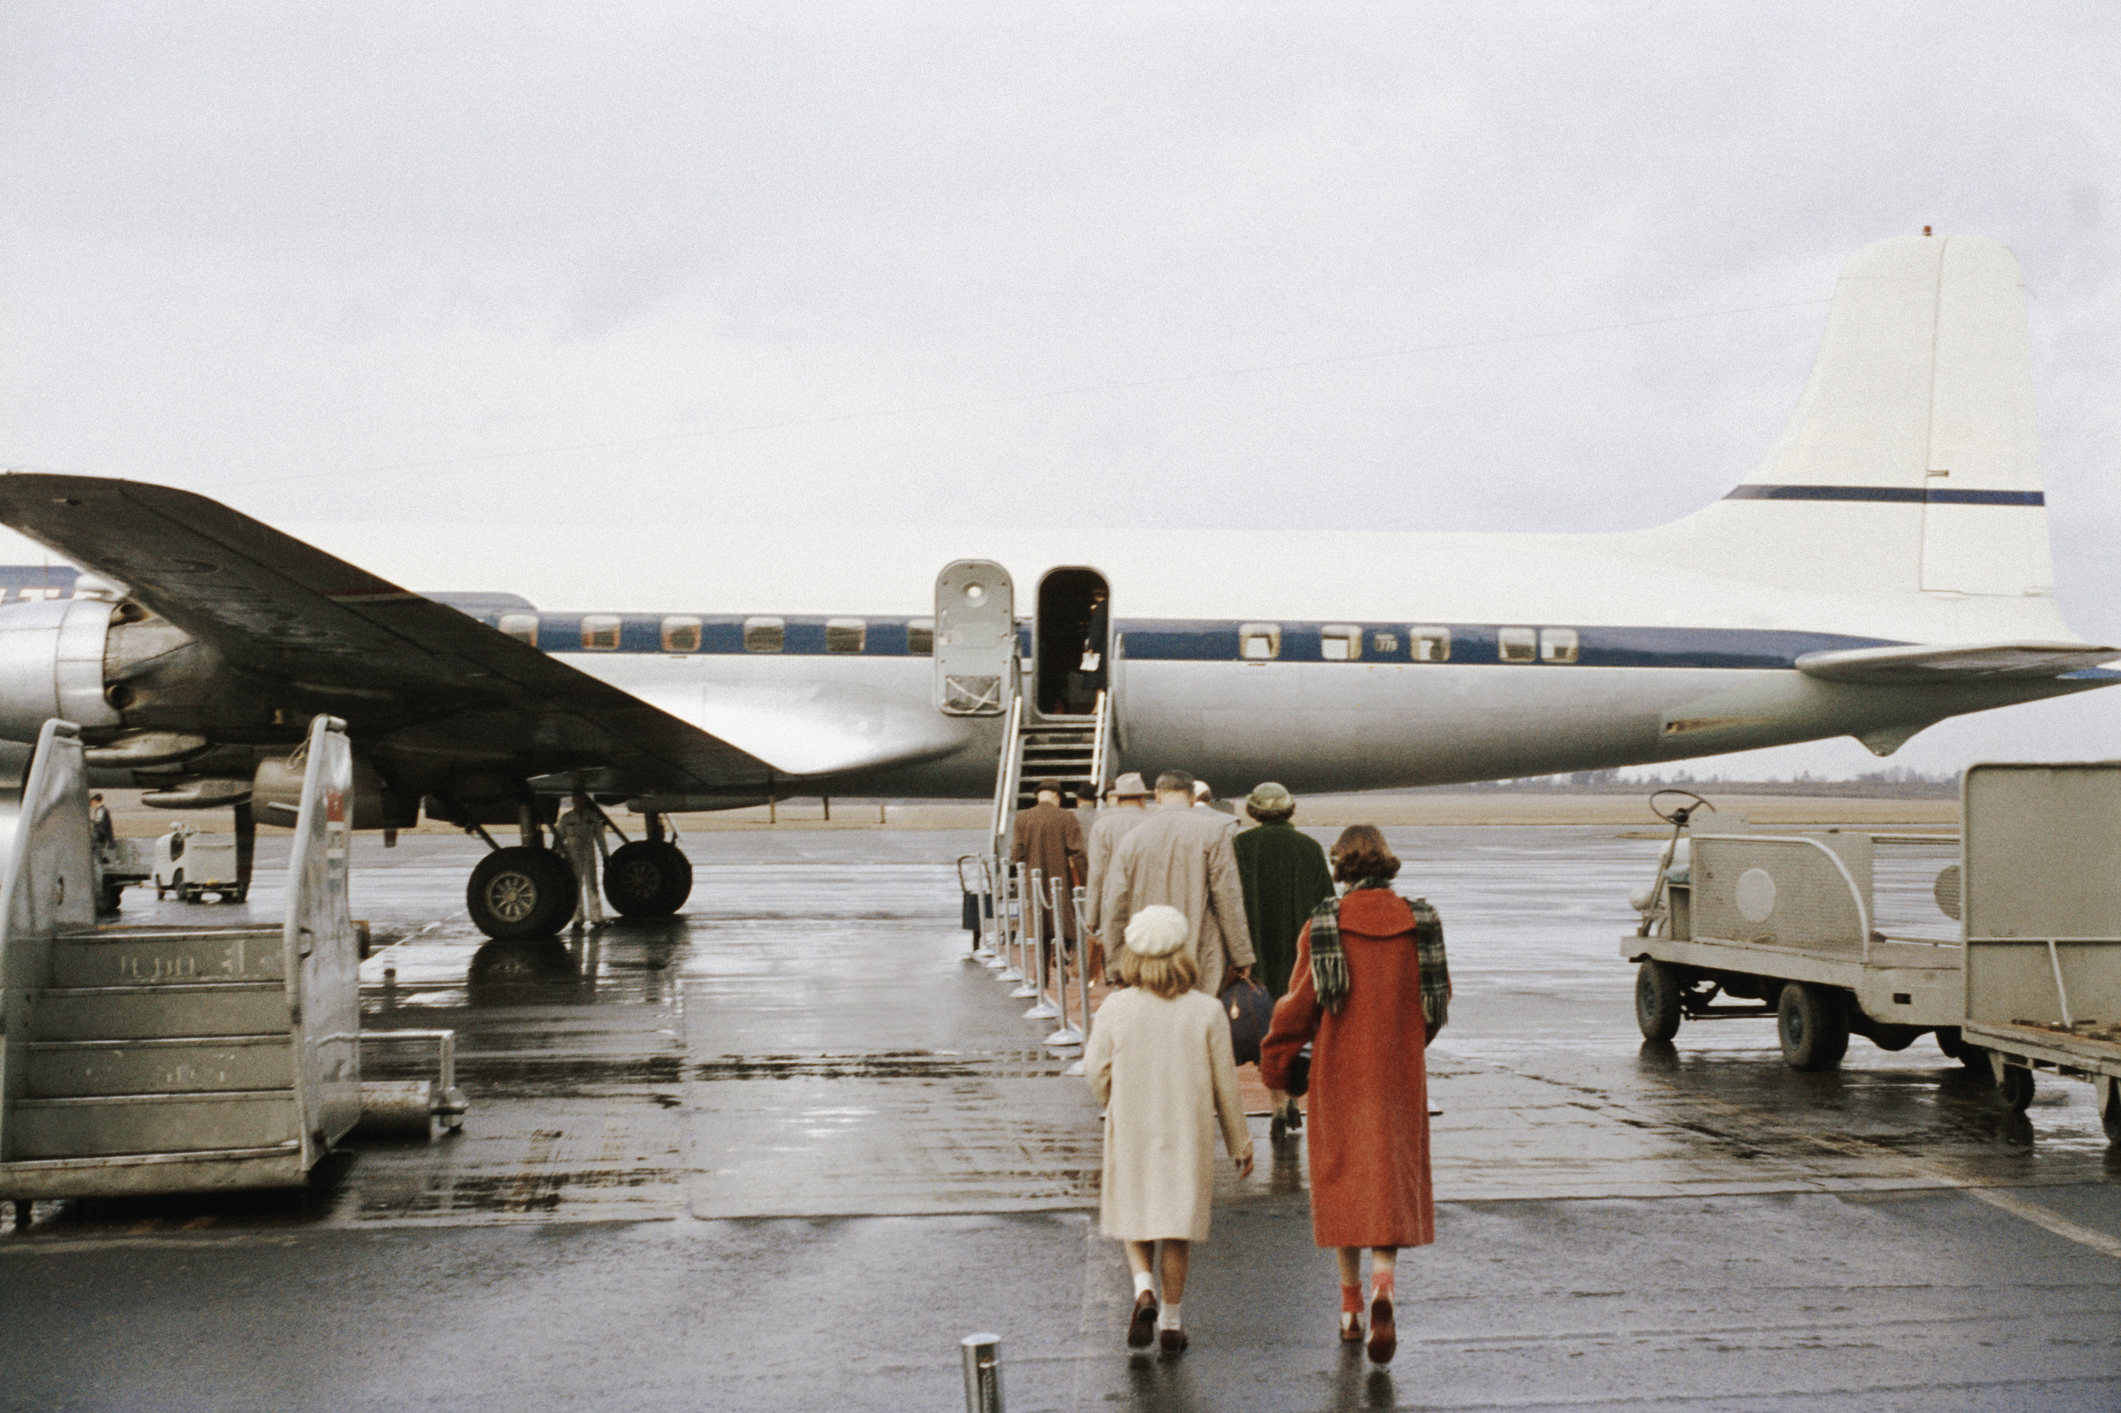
x,y
975,638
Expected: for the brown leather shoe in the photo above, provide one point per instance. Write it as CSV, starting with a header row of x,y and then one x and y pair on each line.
x,y
1141,1330
1384,1334
1172,1340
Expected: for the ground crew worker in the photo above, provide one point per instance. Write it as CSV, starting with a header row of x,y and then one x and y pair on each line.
x,y
581,836
100,831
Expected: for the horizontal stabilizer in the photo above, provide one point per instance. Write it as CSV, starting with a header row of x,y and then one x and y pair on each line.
x,y
1916,664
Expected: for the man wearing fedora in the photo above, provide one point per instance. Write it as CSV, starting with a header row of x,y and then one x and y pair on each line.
x,y
1126,805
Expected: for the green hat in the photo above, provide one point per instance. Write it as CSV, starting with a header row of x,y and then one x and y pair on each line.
x,y
1270,798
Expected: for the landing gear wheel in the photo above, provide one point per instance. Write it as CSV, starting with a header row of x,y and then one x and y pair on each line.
x,y
521,892
1813,1025
1657,991
2014,1087
648,878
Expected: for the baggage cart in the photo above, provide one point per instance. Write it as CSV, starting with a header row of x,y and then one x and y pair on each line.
x,y
2042,917
191,863
1785,924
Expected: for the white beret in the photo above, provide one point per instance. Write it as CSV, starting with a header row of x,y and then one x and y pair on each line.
x,y
1157,931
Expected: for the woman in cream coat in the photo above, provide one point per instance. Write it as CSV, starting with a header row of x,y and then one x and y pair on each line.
x,y
1159,1061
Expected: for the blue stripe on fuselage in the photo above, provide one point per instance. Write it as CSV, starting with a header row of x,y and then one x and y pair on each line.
x,y
1216,640
1903,495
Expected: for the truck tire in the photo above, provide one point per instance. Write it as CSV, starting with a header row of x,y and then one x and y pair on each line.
x,y
1813,1025
520,892
2110,1111
647,878
2014,1088
1955,1047
1894,1037
1657,1008
176,886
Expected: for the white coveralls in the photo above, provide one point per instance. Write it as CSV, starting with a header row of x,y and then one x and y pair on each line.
x,y
581,835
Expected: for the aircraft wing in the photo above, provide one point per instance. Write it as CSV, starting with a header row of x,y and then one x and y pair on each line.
x,y
1916,664
422,679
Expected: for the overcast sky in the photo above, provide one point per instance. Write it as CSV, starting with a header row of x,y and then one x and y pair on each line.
x,y
1243,265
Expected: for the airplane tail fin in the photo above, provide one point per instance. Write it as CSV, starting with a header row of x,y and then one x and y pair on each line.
x,y
1911,464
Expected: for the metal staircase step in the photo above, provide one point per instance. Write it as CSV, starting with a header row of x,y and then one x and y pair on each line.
x,y
74,1069
161,1010
129,957
108,1125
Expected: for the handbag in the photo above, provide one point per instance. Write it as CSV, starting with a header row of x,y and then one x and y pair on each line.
x,y
1299,1074
1251,1012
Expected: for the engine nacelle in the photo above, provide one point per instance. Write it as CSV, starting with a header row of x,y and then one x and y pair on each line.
x,y
276,797
51,665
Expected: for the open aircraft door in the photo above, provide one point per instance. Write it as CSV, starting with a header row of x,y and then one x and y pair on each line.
x,y
975,638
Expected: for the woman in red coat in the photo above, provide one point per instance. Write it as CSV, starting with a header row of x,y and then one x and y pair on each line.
x,y
1368,992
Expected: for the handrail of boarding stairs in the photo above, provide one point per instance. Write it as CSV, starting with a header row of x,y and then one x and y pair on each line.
x,y
1007,777
1100,744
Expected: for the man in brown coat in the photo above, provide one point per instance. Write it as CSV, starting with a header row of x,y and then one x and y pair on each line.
x,y
1049,839
1181,857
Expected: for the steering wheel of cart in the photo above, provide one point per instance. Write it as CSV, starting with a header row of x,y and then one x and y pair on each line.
x,y
1678,813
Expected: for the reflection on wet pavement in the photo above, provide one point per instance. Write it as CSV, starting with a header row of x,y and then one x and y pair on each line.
x,y
811,1040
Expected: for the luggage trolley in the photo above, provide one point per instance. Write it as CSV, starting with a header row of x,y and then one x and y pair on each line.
x,y
2042,917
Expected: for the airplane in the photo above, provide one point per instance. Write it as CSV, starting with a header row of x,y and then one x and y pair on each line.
x,y
1885,567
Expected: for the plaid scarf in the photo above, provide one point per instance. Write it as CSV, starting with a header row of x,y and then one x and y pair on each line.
x,y
1329,964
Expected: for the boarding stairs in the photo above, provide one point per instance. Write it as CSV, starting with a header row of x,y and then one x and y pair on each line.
x,y
1074,750
141,1059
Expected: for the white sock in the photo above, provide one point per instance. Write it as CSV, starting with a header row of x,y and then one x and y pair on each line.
x,y
1143,1281
1167,1318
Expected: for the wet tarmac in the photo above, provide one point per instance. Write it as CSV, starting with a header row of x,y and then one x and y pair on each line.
x,y
783,1151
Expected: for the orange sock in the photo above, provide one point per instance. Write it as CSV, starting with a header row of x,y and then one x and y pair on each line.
x,y
1351,1300
1381,1285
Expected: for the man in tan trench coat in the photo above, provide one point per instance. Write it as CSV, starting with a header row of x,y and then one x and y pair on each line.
x,y
1181,857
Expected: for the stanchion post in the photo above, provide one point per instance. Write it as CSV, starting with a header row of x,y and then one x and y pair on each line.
x,y
1008,970
1067,1035
1082,977
1034,940
998,889
1050,941
983,1373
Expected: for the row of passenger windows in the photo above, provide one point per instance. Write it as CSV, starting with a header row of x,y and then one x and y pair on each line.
x,y
1344,642
600,633
1257,642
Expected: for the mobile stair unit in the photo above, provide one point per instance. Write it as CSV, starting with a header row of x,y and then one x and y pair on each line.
x,y
2042,876
142,1059
1784,923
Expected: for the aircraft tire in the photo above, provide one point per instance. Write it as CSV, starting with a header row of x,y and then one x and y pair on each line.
x,y
647,878
1813,1024
1657,1005
520,892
